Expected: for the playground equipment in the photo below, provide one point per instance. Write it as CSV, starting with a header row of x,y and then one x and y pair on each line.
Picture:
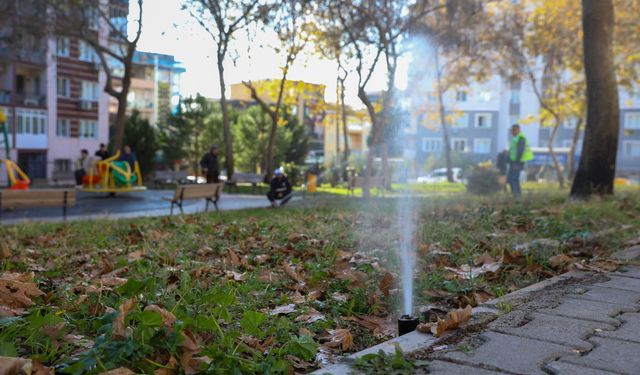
x,y
17,179
113,176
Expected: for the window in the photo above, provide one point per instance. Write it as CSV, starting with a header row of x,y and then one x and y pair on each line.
x,y
461,120
459,145
485,96
31,122
632,120
62,47
570,123
89,91
88,129
482,146
483,120
86,52
631,149
63,128
64,87
461,96
432,145
92,18
515,96
62,165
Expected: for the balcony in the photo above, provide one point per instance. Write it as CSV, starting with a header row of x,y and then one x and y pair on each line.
x,y
31,100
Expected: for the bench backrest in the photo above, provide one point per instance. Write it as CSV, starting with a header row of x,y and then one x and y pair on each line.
x,y
246,177
169,175
37,198
197,191
374,181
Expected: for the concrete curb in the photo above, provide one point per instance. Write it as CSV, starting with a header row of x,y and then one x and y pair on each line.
x,y
481,314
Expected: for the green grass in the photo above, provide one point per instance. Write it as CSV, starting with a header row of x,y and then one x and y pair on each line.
x,y
221,275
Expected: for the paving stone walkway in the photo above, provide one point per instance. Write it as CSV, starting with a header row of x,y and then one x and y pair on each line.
x,y
578,323
592,327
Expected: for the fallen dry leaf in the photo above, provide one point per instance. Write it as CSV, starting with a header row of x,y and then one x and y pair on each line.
x,y
311,316
235,276
511,258
296,237
15,366
284,309
5,252
335,338
466,272
119,329
453,320
136,255
16,291
118,371
190,363
292,273
53,332
485,258
386,283
560,260
167,317
169,369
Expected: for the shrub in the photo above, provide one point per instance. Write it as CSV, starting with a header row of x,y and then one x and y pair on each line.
x,y
484,181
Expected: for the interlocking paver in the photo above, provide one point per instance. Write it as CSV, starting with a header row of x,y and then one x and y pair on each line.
x,y
611,355
629,330
626,283
608,295
448,368
510,353
564,368
559,330
589,310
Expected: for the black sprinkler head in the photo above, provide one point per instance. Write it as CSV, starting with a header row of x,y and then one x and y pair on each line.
x,y
406,324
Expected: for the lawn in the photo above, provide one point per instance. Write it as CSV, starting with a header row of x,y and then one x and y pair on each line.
x,y
264,291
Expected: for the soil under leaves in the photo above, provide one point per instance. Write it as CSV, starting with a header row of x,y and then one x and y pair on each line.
x,y
262,291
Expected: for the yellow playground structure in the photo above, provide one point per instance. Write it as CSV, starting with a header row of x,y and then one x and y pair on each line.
x,y
113,176
17,179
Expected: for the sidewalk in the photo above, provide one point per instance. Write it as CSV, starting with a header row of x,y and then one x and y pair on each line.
x,y
578,323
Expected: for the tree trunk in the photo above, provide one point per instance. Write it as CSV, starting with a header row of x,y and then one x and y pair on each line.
x,y
597,168
385,173
552,153
366,185
345,132
226,125
443,120
572,150
121,114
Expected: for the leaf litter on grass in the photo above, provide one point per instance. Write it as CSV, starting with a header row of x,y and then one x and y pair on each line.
x,y
259,295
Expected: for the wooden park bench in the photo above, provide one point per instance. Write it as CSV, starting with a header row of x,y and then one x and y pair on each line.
x,y
208,192
169,177
375,182
253,179
12,199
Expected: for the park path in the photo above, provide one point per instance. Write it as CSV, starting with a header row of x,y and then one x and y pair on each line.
x,y
145,204
588,324
579,323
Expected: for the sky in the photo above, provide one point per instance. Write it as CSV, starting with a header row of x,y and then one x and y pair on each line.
x,y
168,29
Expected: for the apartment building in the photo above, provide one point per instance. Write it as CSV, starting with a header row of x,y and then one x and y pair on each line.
x,y
358,129
51,89
155,87
479,117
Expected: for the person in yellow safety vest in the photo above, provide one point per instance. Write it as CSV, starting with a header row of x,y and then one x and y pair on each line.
x,y
519,153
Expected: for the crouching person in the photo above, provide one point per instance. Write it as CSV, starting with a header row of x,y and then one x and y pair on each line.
x,y
280,189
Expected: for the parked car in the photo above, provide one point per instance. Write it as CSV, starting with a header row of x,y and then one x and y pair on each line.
x,y
440,175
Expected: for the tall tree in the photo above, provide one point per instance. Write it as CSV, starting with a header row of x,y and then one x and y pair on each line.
x,y
222,19
290,22
115,50
375,30
597,168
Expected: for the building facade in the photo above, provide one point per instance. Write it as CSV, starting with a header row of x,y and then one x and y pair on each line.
x,y
155,87
480,115
51,89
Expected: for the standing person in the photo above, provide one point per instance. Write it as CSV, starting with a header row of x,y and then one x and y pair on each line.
x,y
83,164
129,156
209,164
519,153
280,189
102,152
